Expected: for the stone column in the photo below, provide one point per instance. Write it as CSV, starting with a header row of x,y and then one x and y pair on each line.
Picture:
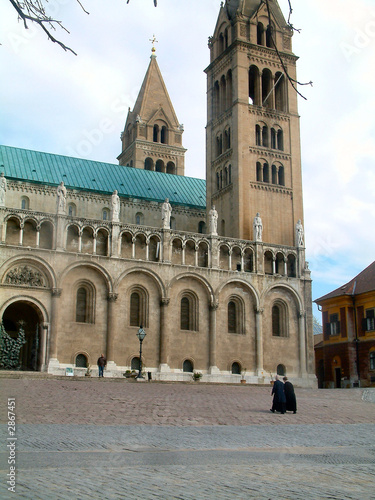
x,y
22,225
212,339
111,327
79,240
94,244
3,226
56,294
259,341
166,240
215,257
115,240
37,239
164,337
43,345
60,233
302,343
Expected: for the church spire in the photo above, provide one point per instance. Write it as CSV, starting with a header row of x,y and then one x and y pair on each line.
x,y
152,137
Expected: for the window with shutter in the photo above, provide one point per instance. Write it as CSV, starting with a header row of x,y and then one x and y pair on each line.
x,y
275,321
185,314
370,320
81,305
135,319
232,317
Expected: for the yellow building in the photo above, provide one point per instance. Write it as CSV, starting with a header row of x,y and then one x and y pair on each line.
x,y
346,355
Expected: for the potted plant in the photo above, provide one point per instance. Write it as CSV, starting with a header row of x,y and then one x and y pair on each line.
x,y
197,376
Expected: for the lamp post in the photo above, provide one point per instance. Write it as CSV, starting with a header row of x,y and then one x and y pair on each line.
x,y
141,335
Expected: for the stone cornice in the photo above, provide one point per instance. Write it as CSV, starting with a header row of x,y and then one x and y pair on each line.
x,y
270,153
264,186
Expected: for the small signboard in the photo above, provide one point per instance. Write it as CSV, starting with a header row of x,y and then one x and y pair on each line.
x,y
69,372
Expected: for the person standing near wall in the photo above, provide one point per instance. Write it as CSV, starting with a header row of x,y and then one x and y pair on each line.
x,y
291,402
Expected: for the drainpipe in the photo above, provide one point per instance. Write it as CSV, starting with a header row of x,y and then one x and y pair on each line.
x,y
356,340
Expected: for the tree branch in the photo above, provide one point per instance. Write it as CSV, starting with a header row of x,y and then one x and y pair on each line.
x,y
291,80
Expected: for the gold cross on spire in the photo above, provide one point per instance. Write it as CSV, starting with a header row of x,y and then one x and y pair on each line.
x,y
153,41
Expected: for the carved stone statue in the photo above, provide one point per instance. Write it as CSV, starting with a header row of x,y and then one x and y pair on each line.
x,y
61,198
115,200
3,188
299,234
212,221
166,211
257,227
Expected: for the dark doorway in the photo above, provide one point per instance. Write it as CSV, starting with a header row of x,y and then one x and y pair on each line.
x,y
25,314
338,378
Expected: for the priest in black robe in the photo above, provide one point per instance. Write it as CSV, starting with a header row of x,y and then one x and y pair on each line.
x,y
279,401
291,402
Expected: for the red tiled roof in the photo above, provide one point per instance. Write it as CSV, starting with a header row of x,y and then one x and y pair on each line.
x,y
363,282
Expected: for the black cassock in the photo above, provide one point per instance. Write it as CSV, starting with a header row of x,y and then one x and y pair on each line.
x,y
291,402
278,403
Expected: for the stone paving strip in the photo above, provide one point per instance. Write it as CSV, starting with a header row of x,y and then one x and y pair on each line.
x,y
107,439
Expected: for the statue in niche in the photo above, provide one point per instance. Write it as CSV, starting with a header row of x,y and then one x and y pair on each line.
x,y
299,234
61,198
257,227
3,189
166,211
115,200
212,221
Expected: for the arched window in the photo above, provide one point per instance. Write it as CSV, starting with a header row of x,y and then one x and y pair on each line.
x,y
201,227
72,210
189,312
280,98
274,174
236,368
230,174
163,135
269,33
280,370
260,34
187,366
155,136
281,176
280,140
217,181
84,304
279,319
149,164
267,85
235,315
291,264
216,100
139,218
171,168
81,361
159,166
266,173
259,172
134,364
258,141
254,84
105,214
138,314
232,317
25,203
265,137
273,138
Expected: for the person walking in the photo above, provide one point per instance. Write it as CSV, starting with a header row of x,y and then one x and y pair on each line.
x,y
278,403
291,402
102,363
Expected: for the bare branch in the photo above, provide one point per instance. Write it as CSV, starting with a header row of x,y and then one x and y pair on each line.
x,y
291,80
34,11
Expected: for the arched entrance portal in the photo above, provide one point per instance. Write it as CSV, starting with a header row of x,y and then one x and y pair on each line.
x,y
30,317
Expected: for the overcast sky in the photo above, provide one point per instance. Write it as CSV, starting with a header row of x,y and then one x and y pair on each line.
x,y
56,102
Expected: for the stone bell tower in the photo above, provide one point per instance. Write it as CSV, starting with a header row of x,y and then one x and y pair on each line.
x,y
152,137
253,162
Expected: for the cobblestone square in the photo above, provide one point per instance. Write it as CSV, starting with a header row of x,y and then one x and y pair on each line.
x,y
115,439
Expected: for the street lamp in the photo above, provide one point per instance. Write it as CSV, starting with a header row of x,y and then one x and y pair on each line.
x,y
141,335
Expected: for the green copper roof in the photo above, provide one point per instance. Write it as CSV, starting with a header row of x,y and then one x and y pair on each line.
x,y
88,175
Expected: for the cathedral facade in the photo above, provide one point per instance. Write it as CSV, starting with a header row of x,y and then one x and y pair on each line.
x,y
213,271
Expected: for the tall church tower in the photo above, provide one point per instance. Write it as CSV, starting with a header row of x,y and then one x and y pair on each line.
x,y
253,138
152,137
